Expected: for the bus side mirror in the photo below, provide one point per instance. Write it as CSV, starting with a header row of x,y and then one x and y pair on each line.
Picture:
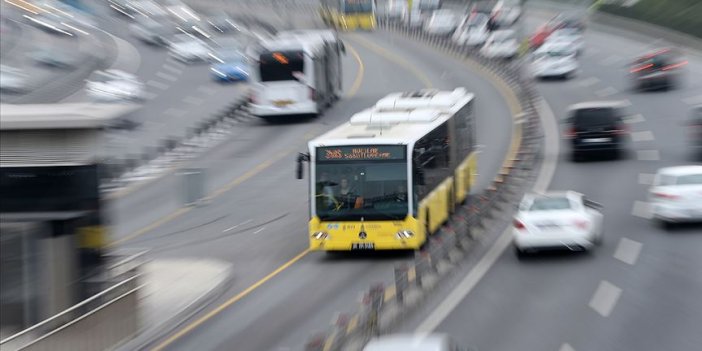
x,y
300,159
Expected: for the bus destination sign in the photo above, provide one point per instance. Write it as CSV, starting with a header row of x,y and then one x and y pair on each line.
x,y
361,153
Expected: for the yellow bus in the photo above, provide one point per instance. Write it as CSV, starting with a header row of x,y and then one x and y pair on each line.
x,y
393,174
348,14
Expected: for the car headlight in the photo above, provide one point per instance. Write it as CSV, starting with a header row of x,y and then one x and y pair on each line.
x,y
404,234
320,235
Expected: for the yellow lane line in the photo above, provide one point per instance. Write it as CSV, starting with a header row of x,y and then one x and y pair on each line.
x,y
228,303
353,323
359,75
393,58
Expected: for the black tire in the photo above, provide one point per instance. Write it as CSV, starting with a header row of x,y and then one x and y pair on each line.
x,y
576,157
666,225
519,253
599,240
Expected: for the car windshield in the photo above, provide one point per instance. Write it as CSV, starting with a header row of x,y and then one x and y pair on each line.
x,y
689,179
550,204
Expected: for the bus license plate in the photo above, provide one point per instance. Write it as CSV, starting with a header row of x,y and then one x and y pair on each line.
x,y
362,246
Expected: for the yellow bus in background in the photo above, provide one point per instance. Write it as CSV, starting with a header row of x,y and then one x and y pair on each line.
x,y
393,174
348,14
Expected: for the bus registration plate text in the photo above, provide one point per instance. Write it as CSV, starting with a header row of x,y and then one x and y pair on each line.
x,y
362,246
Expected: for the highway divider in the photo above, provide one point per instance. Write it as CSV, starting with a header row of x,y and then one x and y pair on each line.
x,y
383,305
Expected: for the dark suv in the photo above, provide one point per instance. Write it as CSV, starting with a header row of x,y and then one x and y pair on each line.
x,y
660,69
596,127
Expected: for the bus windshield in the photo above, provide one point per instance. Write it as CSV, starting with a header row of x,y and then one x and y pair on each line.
x,y
358,6
280,65
355,190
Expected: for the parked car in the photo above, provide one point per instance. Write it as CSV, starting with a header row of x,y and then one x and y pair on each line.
x,y
473,31
676,195
557,220
554,59
597,126
114,85
13,80
441,22
501,44
660,69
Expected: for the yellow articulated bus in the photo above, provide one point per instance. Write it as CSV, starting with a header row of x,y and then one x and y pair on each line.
x,y
393,174
348,14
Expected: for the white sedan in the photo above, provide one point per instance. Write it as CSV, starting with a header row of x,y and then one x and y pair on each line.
x,y
501,44
114,85
187,48
554,60
557,220
676,195
568,36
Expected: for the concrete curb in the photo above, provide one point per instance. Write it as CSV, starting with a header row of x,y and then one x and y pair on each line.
x,y
148,335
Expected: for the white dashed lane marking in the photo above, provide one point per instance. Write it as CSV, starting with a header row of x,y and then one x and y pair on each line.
x,y
174,112
157,85
638,118
260,230
693,100
173,69
605,298
238,225
642,136
610,60
628,250
193,100
641,209
206,90
646,178
587,82
648,155
566,347
166,76
609,91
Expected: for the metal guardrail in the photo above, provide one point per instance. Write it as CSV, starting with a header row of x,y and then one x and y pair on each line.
x,y
383,305
30,336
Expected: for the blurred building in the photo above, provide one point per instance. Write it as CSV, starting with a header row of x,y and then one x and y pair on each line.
x,y
52,226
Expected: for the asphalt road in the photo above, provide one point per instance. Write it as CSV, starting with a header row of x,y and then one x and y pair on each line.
x,y
641,289
257,217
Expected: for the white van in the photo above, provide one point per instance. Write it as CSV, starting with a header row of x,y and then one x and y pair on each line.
x,y
473,30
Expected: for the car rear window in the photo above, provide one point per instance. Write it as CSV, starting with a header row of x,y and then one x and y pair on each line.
x,y
596,116
550,203
689,179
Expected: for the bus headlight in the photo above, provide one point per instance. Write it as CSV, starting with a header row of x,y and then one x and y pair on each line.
x,y
320,235
404,234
